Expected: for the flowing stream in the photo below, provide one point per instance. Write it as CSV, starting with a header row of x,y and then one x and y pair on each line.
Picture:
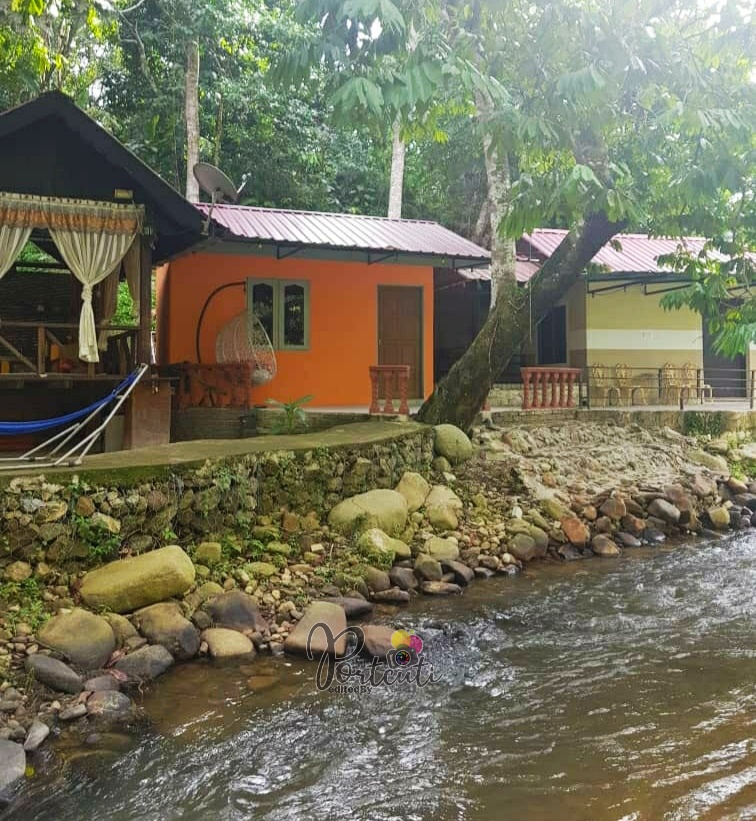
x,y
606,690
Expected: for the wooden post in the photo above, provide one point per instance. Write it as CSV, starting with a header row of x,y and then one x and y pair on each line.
x,y
41,349
144,341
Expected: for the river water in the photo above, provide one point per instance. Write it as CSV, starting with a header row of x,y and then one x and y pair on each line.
x,y
606,690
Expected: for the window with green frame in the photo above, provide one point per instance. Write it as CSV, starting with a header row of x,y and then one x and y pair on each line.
x,y
283,308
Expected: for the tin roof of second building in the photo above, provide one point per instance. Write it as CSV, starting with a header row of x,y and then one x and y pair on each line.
x,y
635,254
372,239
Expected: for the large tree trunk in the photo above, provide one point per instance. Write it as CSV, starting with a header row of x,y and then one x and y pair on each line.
x,y
460,395
503,255
482,231
191,111
396,186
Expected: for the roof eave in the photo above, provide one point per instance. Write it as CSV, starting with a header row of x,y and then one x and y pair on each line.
x,y
246,246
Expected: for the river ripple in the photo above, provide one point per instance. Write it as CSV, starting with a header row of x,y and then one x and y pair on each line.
x,y
608,690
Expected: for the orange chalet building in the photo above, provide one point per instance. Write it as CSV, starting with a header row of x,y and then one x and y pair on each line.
x,y
336,294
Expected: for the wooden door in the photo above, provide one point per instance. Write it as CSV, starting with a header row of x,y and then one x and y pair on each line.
x,y
400,332
726,376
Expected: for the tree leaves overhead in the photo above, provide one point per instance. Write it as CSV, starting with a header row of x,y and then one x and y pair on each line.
x,y
641,110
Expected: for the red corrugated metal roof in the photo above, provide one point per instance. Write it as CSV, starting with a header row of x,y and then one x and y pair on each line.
x,y
639,253
344,232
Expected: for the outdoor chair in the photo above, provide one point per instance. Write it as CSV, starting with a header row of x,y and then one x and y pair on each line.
x,y
597,383
670,383
622,381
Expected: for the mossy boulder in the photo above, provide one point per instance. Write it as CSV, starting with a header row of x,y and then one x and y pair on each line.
x,y
441,495
541,538
709,460
385,509
453,443
223,643
427,568
441,549
554,509
164,623
261,570
442,517
604,546
209,553
374,544
122,628
128,584
85,639
524,547
415,490
18,571
719,517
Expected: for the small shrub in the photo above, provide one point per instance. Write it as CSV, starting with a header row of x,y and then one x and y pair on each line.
x,y
102,544
27,597
295,416
707,423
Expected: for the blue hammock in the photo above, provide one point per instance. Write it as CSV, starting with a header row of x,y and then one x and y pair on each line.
x,y
19,428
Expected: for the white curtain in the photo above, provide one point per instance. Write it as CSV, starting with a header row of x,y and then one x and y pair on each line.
x,y
92,238
91,256
12,241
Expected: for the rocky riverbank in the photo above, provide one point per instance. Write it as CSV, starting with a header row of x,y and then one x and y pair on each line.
x,y
78,640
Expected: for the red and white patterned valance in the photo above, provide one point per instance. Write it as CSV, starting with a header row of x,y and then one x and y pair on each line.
x,y
83,216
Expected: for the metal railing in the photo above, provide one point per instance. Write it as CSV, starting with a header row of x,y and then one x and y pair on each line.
x,y
671,385
597,386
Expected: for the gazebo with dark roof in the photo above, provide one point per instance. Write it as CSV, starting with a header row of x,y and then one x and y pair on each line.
x,y
50,148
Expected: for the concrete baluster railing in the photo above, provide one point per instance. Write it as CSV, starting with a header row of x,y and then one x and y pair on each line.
x,y
548,387
382,381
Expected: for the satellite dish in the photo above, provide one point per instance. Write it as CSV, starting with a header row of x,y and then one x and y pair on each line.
x,y
215,183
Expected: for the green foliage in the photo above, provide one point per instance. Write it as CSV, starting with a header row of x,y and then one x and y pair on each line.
x,y
381,559
743,469
125,313
26,597
295,416
721,276
102,544
640,110
31,253
711,424
169,536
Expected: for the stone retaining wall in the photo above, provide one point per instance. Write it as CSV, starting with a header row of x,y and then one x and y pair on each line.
x,y
650,419
62,519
